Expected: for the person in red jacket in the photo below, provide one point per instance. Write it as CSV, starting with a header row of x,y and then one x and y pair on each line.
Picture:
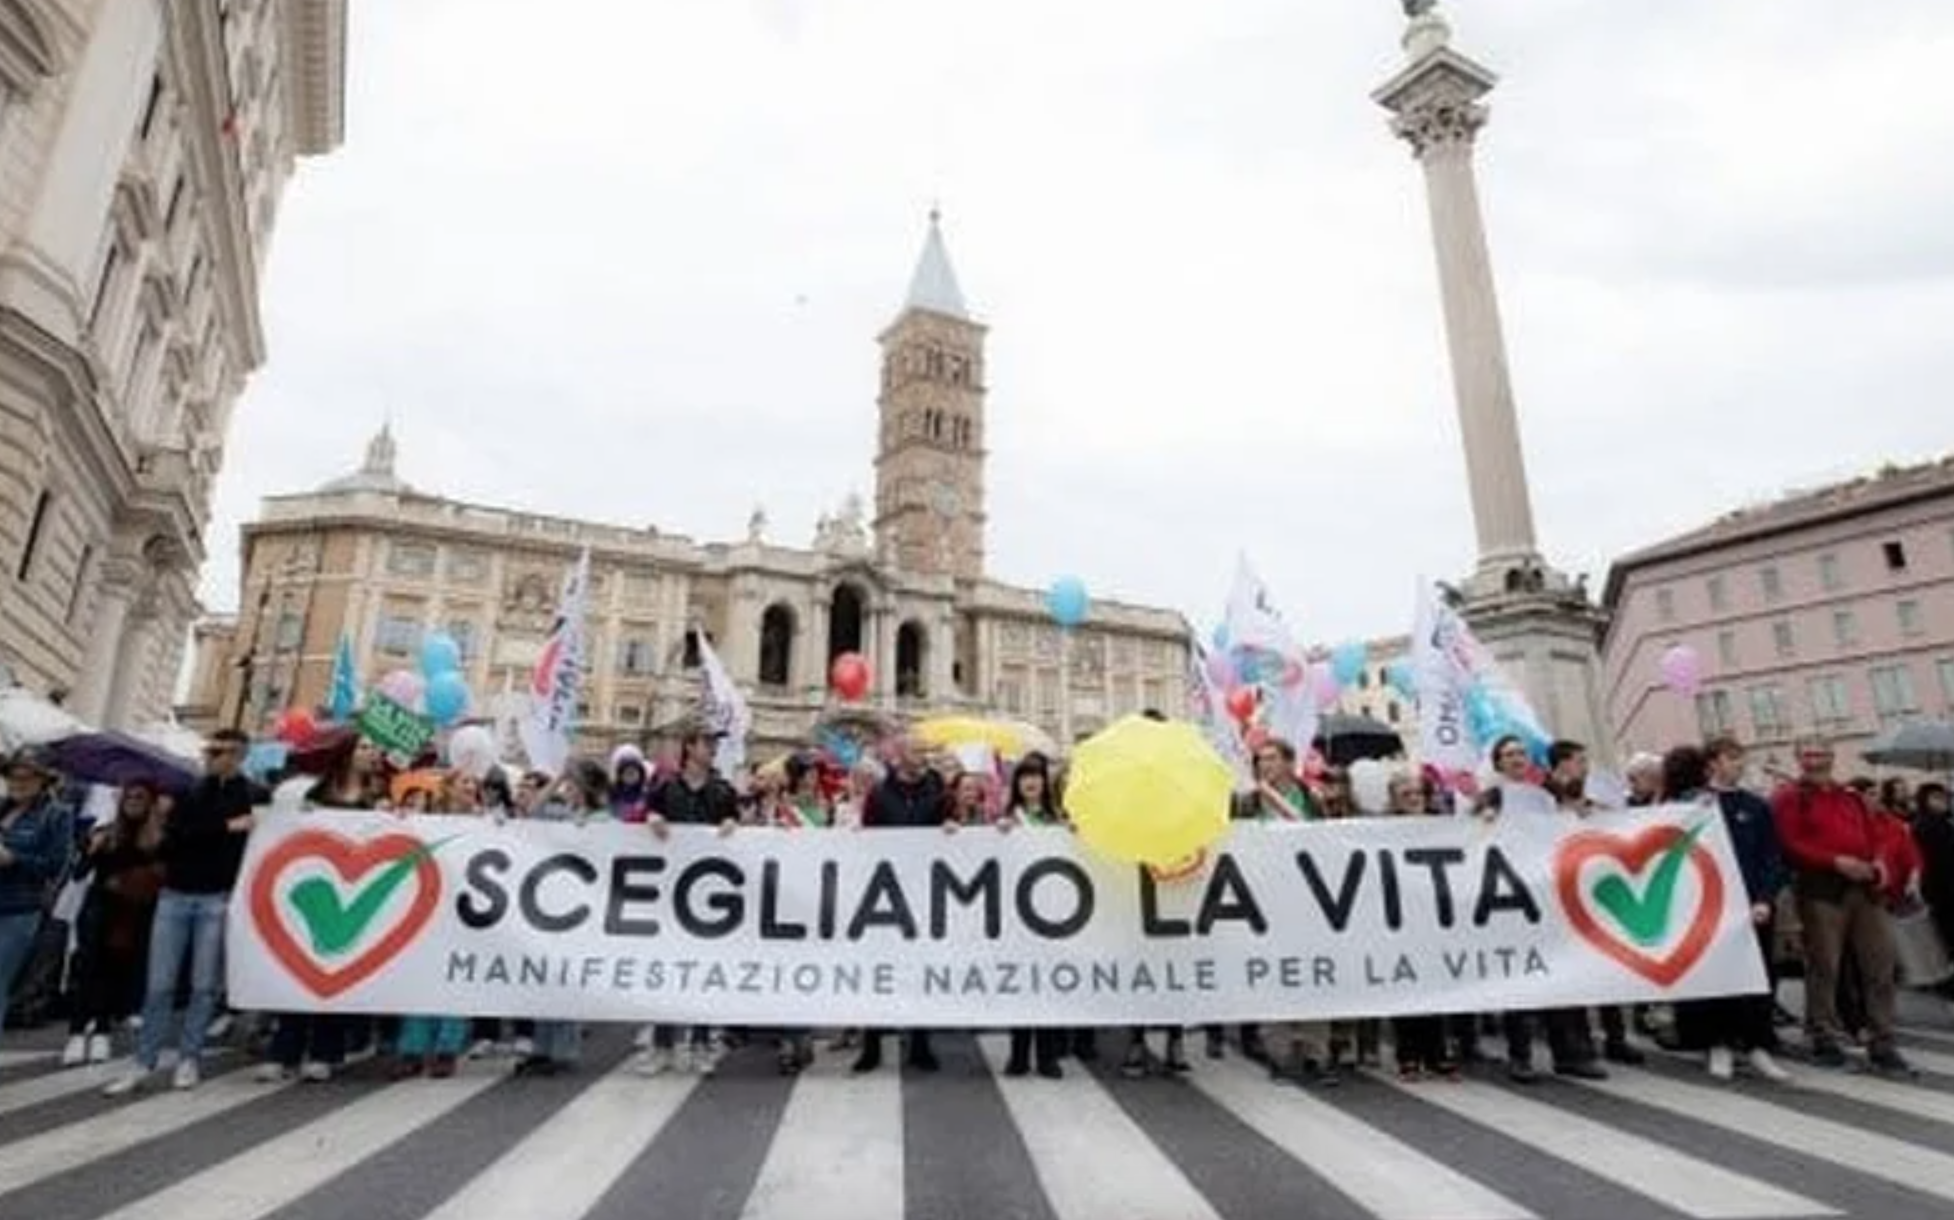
x,y
1844,861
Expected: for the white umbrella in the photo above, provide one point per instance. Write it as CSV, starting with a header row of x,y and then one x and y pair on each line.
x,y
172,738
27,719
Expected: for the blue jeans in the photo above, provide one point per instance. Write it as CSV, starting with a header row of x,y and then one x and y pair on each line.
x,y
186,924
17,933
424,1036
561,1041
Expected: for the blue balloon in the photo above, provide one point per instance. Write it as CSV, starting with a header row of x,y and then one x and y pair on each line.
x,y
1067,602
1347,662
439,654
446,698
1221,637
1401,678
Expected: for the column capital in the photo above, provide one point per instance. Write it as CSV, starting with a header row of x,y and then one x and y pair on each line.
x,y
1440,125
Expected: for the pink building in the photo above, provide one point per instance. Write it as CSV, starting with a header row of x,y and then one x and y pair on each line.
x,y
1827,612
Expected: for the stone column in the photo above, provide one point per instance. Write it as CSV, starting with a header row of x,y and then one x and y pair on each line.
x,y
1436,101
132,660
119,585
884,643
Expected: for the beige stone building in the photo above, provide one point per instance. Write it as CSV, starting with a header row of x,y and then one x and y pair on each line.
x,y
902,583
144,146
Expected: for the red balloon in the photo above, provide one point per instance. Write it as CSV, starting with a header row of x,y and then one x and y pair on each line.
x,y
849,676
1241,703
295,726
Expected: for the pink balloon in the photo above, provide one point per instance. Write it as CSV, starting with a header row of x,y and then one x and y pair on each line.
x,y
1681,668
404,687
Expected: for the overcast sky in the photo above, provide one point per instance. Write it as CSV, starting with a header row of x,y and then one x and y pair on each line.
x,y
626,261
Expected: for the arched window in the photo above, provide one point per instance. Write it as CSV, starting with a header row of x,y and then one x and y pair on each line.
x,y
845,621
776,645
912,653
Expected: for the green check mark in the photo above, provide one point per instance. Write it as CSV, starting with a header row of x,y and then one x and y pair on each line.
x,y
1646,918
335,926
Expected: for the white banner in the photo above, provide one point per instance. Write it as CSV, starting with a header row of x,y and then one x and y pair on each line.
x,y
361,912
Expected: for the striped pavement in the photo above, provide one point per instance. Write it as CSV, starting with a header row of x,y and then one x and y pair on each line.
x,y
970,1144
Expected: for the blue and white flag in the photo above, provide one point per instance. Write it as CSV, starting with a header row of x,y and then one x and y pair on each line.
x,y
345,697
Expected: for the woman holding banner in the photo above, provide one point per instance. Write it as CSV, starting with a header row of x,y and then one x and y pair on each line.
x,y
1029,805
799,806
312,1046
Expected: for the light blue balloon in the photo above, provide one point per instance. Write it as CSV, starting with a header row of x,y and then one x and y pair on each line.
x,y
1347,662
446,698
439,654
1067,602
1399,675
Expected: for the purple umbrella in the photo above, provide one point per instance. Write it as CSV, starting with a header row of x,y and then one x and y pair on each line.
x,y
117,759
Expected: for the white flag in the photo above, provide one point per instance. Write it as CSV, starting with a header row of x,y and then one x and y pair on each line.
x,y
1465,701
556,684
724,711
1265,654
1207,709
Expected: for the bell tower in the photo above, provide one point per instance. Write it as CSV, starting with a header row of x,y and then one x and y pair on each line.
x,y
929,460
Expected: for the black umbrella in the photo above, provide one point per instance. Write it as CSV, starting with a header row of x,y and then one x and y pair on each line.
x,y
1343,739
1921,746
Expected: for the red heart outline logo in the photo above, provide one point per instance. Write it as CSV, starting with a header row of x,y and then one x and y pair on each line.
x,y
351,859
1634,854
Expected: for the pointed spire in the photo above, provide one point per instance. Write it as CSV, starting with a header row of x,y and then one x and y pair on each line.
x,y
380,452
934,285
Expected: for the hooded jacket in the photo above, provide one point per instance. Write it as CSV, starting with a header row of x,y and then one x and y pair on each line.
x,y
629,801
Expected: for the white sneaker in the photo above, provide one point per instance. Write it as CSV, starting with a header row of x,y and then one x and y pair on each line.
x,y
689,1058
75,1052
523,1048
1769,1068
127,1083
219,1027
1723,1065
642,1039
655,1062
100,1049
315,1073
187,1075
272,1073
482,1049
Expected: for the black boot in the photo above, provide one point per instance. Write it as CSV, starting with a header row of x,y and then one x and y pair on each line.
x,y
1020,1061
871,1057
920,1056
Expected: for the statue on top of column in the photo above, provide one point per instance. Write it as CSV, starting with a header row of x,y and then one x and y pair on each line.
x,y
1418,8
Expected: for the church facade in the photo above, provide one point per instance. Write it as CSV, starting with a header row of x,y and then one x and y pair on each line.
x,y
900,581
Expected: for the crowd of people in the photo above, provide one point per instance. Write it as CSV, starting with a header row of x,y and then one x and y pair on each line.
x,y
1833,858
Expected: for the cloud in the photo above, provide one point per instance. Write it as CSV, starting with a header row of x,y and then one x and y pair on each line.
x,y
628,261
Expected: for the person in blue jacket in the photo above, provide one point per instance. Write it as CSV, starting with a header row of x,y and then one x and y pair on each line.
x,y
37,838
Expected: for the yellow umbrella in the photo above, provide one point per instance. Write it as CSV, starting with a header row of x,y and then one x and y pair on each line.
x,y
1148,791
1005,737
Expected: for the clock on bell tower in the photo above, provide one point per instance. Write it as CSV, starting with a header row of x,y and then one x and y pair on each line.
x,y
929,463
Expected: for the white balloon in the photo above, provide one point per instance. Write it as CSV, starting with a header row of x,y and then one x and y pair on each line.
x,y
289,796
1370,785
471,750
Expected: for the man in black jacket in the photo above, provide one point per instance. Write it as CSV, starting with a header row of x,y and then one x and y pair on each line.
x,y
912,795
201,853
697,796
